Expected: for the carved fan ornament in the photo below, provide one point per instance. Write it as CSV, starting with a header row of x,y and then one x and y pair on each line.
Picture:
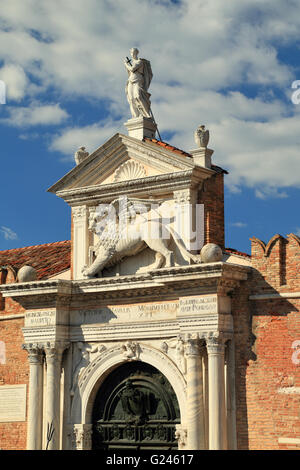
x,y
130,170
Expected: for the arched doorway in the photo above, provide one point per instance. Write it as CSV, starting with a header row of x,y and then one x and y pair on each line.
x,y
135,408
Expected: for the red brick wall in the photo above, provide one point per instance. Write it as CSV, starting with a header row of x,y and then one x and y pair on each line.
x,y
212,196
269,366
15,370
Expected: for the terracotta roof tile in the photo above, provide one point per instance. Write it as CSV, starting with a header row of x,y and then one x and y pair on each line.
x,y
167,146
216,168
236,252
48,259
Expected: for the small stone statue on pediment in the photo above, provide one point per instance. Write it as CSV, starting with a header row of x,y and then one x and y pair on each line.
x,y
201,136
80,155
139,79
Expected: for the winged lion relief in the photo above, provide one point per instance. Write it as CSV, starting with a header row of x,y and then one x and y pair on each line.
x,y
124,228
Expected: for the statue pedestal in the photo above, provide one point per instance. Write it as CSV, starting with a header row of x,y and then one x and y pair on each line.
x,y
202,156
141,127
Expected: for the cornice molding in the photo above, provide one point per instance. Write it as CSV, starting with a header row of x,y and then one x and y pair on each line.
x,y
228,275
157,184
124,147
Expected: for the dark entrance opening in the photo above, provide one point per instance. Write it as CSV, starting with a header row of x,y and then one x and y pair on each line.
x,y
135,408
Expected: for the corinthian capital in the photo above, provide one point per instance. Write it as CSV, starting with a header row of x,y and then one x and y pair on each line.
x,y
54,350
215,342
79,212
194,346
35,352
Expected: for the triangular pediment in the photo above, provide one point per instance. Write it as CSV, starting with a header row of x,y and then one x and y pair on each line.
x,y
122,158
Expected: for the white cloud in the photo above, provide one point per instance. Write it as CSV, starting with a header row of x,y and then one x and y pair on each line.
x,y
197,50
15,80
266,192
35,114
200,44
8,233
259,153
238,224
89,136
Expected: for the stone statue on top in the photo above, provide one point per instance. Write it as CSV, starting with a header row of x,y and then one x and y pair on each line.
x,y
139,79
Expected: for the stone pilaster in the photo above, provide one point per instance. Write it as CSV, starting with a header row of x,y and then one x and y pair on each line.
x,y
189,222
81,239
195,409
54,351
35,403
202,156
216,390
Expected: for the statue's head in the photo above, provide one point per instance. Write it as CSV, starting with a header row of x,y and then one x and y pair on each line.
x,y
134,52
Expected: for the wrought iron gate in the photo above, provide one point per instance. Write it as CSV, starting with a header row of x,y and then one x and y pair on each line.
x,y
135,408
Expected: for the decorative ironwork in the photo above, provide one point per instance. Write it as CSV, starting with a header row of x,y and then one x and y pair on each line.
x,y
135,407
50,432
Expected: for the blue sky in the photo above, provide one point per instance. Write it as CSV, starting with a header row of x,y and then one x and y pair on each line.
x,y
228,65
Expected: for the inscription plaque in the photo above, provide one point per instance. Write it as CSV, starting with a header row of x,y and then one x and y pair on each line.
x,y
198,305
41,318
12,403
126,313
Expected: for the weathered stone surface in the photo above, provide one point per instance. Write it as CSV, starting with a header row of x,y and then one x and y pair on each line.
x,y
27,274
211,253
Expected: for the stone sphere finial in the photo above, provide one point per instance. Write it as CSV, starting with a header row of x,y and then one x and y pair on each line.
x,y
27,274
211,253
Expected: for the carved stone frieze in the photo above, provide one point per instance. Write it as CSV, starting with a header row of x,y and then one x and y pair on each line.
x,y
85,351
130,351
184,196
81,436
130,170
151,184
176,349
181,436
79,212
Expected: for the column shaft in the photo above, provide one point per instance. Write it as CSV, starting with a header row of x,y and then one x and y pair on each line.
x,y
230,395
35,402
216,386
53,358
195,409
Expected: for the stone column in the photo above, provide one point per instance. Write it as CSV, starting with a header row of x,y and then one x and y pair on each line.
x,y
205,394
216,391
230,394
35,402
54,353
195,409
